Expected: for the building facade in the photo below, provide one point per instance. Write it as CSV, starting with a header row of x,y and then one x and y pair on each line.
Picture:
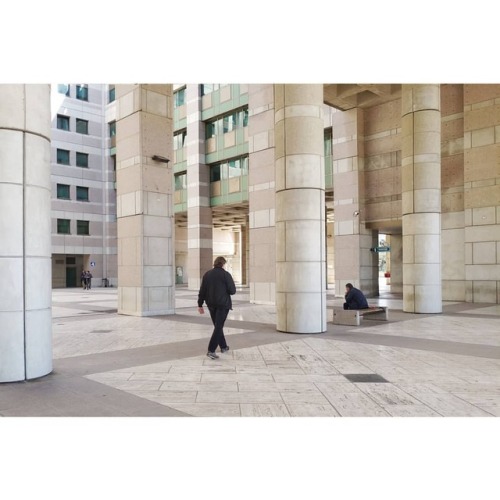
x,y
224,165
83,184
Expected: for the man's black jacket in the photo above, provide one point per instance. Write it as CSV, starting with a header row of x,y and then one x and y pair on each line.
x,y
356,300
216,289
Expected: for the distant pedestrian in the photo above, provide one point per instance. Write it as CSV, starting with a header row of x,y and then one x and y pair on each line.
x,y
354,298
83,279
88,280
216,289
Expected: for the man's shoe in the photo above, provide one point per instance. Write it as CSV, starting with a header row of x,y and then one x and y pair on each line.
x,y
224,349
212,355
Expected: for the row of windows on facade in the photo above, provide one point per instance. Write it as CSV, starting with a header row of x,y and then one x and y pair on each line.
x,y
63,158
64,227
82,92
206,88
222,125
223,170
82,126
63,192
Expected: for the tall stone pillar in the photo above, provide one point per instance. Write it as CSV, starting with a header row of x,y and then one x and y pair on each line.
x,y
25,229
354,262
261,195
300,209
200,239
396,254
421,198
481,194
244,253
146,277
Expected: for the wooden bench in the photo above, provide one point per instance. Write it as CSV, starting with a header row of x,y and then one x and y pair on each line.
x,y
353,317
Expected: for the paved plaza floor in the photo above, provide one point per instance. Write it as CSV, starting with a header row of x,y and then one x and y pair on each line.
x,y
416,368
106,364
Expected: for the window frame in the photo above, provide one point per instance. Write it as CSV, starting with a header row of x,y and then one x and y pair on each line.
x,y
60,89
85,190
86,224
80,155
59,150
80,121
63,119
60,226
182,134
180,181
68,197
177,93
85,89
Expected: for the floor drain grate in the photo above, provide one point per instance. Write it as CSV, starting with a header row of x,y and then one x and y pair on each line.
x,y
372,378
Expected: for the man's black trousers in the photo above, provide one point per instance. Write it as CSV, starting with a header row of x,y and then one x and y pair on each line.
x,y
218,316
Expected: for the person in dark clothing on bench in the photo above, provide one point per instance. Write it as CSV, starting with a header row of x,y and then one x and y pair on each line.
x,y
354,298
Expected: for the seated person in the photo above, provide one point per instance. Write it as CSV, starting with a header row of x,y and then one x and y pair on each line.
x,y
354,298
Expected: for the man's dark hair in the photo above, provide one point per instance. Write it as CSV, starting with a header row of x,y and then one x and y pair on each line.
x,y
219,262
349,285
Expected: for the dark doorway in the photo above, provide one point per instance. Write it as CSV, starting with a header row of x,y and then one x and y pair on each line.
x,y
71,277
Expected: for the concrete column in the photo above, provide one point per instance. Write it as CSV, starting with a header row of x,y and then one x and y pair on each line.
x,y
25,229
421,198
244,253
200,239
354,262
481,195
146,277
300,209
396,254
261,195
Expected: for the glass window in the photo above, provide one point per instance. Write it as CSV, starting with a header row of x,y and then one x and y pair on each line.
x,y
111,94
112,129
244,165
63,156
62,122
208,88
82,160
82,92
180,182
63,226
328,142
62,192
63,88
210,130
82,126
179,140
82,227
82,193
228,123
179,98
215,173
245,117
234,168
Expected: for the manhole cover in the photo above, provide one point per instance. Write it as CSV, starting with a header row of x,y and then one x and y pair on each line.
x,y
372,378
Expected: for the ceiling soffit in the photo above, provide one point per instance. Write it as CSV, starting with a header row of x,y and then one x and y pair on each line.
x,y
346,96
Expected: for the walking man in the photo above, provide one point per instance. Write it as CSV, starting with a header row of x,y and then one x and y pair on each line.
x,y
216,289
